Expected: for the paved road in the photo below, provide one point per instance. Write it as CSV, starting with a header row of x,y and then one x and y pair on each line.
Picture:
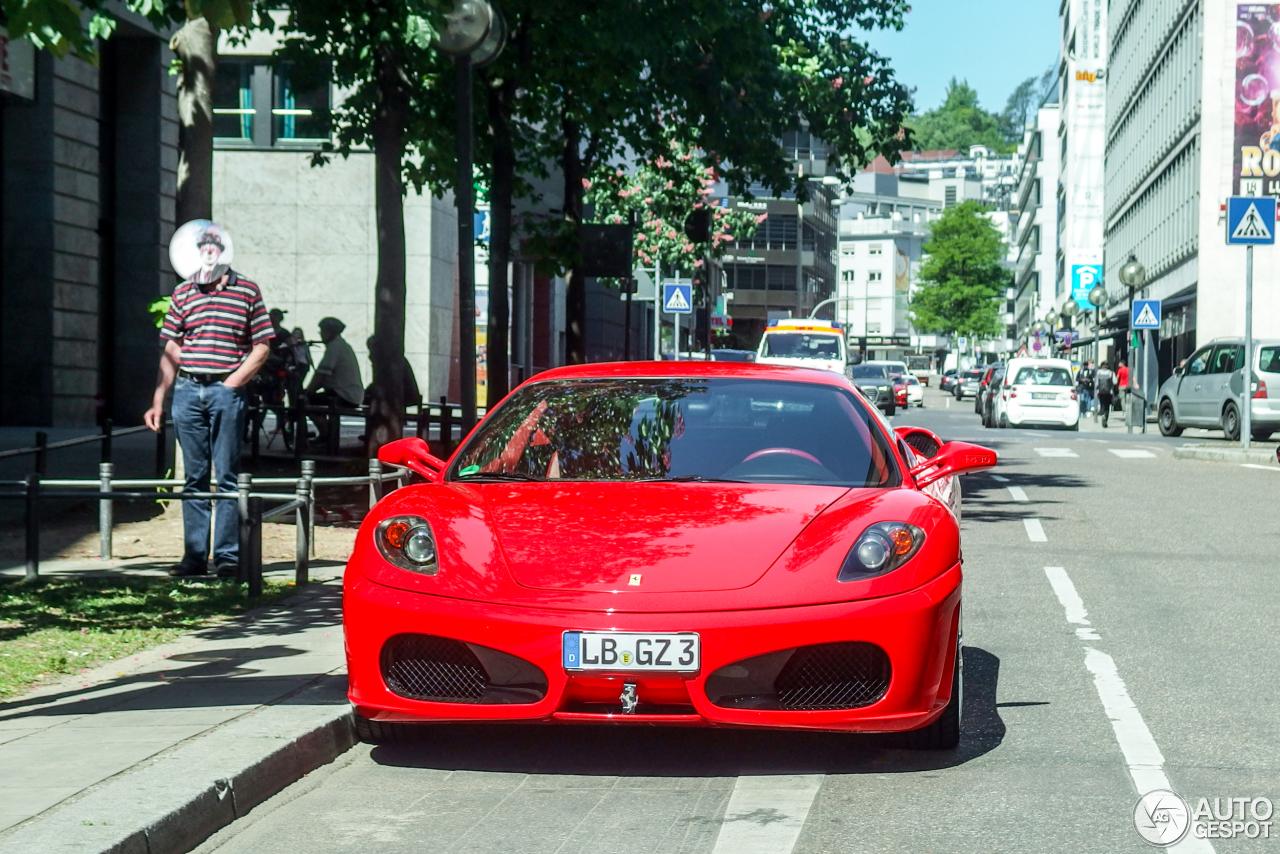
x,y
1120,622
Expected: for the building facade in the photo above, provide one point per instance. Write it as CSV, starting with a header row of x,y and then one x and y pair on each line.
x,y
1035,245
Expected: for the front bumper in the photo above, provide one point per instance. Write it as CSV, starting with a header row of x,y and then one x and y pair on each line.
x,y
917,630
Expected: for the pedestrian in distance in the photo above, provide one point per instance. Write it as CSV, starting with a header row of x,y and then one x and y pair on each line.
x,y
1104,386
1084,386
216,335
337,377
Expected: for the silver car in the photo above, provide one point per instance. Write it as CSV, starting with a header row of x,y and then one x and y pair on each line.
x,y
1205,390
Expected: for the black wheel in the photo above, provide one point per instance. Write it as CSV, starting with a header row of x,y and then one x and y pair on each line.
x,y
381,732
1004,420
944,733
1231,422
1075,427
1260,435
1168,421
891,409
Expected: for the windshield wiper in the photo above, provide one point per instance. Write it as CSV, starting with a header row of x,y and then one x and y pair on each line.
x,y
500,475
693,478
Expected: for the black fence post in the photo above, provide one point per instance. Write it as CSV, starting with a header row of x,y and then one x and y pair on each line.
x,y
256,419
42,453
299,415
31,488
162,455
106,440
302,534
446,427
334,426
244,560
255,547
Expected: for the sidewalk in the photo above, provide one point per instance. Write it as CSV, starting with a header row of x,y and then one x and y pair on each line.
x,y
156,753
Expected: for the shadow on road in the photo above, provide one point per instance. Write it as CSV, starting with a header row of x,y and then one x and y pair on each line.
x,y
632,751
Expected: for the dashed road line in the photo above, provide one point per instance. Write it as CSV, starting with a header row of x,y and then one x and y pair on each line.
x,y
1056,452
1132,453
1142,755
766,814
999,478
1018,493
1256,466
1035,531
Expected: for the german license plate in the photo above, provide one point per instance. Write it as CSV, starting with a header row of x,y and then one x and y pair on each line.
x,y
644,651
1037,395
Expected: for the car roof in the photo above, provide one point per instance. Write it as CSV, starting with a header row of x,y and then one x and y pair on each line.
x,y
733,370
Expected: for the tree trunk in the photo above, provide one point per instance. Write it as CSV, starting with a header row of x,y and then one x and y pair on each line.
x,y
575,283
196,45
500,191
386,408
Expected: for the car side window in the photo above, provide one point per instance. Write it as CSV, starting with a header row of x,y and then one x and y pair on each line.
x,y
1199,363
1224,359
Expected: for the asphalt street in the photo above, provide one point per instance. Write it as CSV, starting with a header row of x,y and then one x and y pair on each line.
x,y
1120,629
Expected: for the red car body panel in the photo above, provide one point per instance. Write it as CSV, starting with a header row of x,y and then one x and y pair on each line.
x,y
751,567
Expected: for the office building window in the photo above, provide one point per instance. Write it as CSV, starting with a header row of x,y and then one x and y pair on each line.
x,y
875,276
233,100
301,108
949,196
875,249
258,104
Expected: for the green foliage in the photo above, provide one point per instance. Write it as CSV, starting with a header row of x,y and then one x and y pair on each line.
x,y
661,193
1024,101
962,276
158,310
959,123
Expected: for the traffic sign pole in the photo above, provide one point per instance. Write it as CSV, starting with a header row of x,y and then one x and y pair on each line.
x,y
1246,404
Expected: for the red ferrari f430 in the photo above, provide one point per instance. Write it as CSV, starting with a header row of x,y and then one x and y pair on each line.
x,y
679,543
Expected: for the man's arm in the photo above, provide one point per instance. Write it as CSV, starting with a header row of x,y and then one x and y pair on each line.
x,y
256,359
170,361
324,371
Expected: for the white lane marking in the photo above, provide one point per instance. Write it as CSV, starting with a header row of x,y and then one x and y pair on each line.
x,y
1000,478
1017,493
1256,466
1142,755
1071,602
1035,531
1131,453
949,399
765,814
1056,452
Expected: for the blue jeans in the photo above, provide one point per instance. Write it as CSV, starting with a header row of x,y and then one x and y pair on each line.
x,y
209,420
1086,398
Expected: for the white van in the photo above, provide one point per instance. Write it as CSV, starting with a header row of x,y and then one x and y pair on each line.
x,y
804,343
1037,392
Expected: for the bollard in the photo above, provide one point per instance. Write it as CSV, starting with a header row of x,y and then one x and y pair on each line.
x,y
105,511
244,485
446,428
422,422
162,456
309,472
255,547
375,481
42,453
299,415
302,523
31,496
106,440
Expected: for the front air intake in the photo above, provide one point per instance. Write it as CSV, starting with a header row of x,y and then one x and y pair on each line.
x,y
848,675
443,670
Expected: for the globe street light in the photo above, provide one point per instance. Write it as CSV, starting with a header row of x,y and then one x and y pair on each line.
x,y
1097,296
474,34
1133,276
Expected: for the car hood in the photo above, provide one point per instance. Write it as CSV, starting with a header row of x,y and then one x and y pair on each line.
x,y
648,537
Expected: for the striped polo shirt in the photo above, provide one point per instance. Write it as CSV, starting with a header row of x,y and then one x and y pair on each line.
x,y
216,328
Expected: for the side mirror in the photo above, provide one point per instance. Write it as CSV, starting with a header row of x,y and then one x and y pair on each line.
x,y
923,441
855,358
954,458
1177,372
414,455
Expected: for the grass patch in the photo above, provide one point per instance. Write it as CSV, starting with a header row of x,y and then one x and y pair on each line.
x,y
65,625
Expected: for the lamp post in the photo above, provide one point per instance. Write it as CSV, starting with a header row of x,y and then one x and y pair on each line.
x,y
1069,312
1133,276
474,35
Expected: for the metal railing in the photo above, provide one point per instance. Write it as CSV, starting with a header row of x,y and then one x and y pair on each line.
x,y
108,489
40,450
446,416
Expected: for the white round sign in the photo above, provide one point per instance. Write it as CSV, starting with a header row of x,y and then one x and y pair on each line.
x,y
201,251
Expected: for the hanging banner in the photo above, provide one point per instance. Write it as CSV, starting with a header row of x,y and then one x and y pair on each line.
x,y
1257,101
1086,271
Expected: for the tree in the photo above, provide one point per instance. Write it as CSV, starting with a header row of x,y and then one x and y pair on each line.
x,y
1029,96
962,276
958,123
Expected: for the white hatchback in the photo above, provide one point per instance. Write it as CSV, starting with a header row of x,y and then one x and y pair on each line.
x,y
1038,392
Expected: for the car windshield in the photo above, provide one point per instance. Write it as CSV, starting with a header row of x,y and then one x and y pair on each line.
x,y
1043,375
973,375
860,372
754,431
801,345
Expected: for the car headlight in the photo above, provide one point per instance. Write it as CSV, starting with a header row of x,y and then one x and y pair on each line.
x,y
407,542
882,548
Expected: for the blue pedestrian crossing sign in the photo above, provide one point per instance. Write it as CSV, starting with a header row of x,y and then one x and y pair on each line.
x,y
1146,314
1251,220
677,299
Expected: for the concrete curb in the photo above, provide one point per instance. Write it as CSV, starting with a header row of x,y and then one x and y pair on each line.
x,y
1220,454
177,801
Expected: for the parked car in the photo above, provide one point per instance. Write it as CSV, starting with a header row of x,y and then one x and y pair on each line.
x,y
987,396
947,384
899,389
967,383
875,383
1037,391
987,373
1205,390
915,391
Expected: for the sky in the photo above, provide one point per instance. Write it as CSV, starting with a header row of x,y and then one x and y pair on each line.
x,y
995,44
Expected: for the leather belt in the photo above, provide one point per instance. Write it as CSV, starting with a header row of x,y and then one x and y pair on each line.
x,y
203,378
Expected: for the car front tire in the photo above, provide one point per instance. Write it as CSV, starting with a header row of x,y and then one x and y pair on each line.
x,y
1168,420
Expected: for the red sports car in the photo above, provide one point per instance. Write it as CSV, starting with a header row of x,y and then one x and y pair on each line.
x,y
696,543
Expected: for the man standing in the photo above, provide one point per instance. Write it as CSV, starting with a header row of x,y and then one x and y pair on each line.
x,y
1084,386
216,336
1104,385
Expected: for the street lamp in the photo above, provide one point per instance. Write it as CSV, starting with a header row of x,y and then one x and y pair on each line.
x,y
1133,276
474,34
